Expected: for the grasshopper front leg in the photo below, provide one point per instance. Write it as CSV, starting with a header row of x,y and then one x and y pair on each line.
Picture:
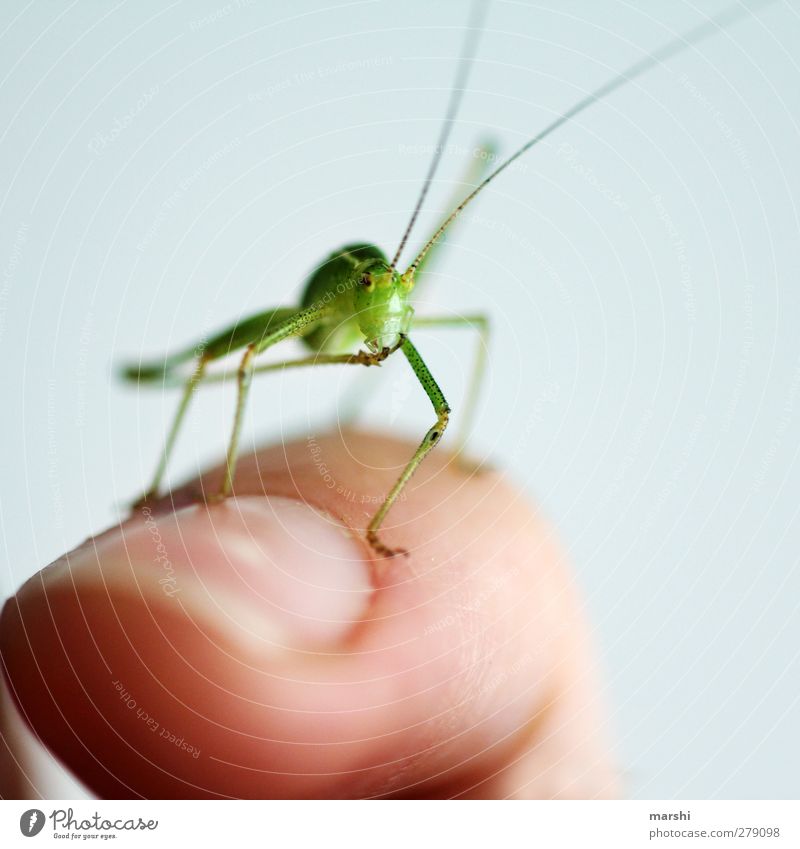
x,y
434,434
480,323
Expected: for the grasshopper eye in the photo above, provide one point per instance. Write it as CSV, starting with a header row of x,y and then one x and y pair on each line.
x,y
366,281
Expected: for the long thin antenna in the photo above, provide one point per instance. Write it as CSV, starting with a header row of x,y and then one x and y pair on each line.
x,y
471,37
672,48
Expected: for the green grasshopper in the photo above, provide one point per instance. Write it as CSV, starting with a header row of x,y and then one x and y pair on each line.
x,y
358,297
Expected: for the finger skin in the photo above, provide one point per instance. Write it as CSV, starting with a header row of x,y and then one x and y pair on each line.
x,y
462,670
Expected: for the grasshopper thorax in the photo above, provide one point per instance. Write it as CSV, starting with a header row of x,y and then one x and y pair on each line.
x,y
380,303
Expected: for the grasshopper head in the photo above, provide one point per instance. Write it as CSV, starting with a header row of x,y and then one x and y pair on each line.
x,y
381,304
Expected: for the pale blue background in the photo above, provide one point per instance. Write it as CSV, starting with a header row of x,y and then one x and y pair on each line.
x,y
646,361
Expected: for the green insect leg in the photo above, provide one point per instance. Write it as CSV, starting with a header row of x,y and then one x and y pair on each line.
x,y
442,410
183,406
298,324
481,324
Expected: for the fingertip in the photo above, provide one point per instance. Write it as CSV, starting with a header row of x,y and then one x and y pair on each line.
x,y
174,625
258,647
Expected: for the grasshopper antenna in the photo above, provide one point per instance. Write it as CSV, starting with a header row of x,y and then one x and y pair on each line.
x,y
473,32
670,49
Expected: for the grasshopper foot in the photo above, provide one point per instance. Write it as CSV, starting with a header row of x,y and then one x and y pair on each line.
x,y
383,550
216,497
146,497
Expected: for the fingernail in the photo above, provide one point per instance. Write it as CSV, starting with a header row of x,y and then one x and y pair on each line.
x,y
268,570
